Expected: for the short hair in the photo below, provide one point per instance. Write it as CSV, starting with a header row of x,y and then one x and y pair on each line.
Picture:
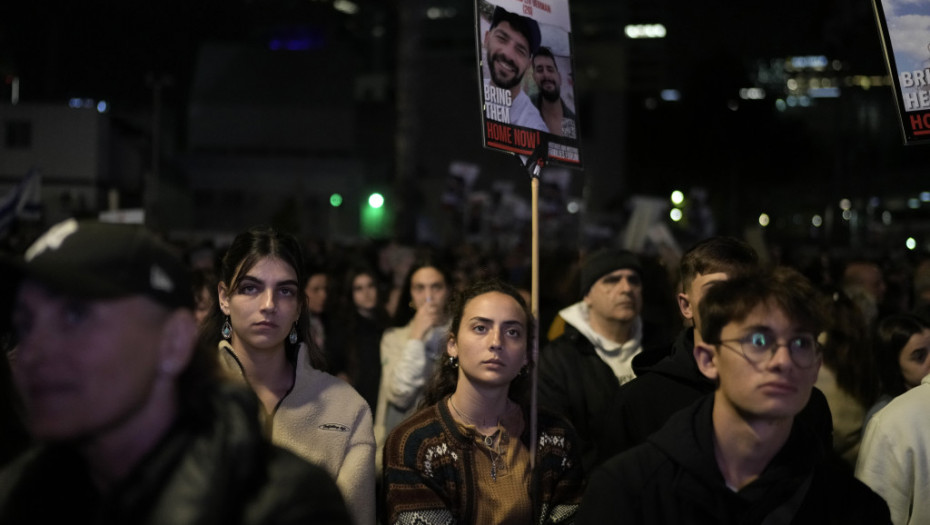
x,y
734,299
544,51
717,254
524,25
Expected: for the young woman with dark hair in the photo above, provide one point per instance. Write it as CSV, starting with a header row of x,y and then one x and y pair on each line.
x,y
261,329
464,457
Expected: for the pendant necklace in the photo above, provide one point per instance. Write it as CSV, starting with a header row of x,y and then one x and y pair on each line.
x,y
489,440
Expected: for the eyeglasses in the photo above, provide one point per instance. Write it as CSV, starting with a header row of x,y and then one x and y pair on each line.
x,y
759,347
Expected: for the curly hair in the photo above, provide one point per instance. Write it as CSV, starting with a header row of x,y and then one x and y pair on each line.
x,y
445,378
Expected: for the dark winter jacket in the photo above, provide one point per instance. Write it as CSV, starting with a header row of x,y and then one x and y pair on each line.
x,y
643,405
673,478
219,471
576,383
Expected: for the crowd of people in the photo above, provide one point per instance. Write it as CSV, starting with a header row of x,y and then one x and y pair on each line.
x,y
281,381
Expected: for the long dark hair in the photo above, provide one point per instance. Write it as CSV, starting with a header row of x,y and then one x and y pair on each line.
x,y
891,335
405,311
847,350
349,316
445,379
247,249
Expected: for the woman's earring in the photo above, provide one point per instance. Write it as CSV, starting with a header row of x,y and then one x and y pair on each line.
x,y
292,337
453,361
226,331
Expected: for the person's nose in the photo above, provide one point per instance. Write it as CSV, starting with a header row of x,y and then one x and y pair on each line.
x,y
496,339
268,300
781,356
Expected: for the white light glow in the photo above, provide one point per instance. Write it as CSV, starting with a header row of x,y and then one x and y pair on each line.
x,y
675,214
670,95
911,243
817,221
645,31
677,197
753,93
764,220
345,6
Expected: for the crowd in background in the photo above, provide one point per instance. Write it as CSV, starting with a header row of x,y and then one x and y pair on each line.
x,y
361,307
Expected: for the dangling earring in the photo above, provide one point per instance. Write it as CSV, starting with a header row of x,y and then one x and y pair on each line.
x,y
226,331
453,361
292,337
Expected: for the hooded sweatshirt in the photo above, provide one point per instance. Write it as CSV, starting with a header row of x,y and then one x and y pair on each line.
x,y
673,478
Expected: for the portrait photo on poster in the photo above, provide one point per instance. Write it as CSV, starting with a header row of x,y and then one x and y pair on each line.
x,y
526,78
906,42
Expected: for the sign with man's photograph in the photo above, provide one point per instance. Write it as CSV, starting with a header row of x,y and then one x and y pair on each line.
x,y
527,79
905,29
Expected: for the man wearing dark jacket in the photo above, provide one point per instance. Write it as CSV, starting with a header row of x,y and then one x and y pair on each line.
x,y
131,424
739,454
580,371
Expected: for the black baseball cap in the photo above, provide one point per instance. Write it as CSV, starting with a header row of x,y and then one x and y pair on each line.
x,y
97,260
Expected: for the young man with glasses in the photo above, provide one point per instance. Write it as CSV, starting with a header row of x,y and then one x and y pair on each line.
x,y
737,456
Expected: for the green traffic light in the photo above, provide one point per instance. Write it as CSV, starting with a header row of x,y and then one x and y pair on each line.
x,y
376,200
335,200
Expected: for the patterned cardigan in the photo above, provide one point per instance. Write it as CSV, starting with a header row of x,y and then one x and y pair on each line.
x,y
429,471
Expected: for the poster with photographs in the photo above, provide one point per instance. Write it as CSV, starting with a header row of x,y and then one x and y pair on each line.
x,y
905,30
526,78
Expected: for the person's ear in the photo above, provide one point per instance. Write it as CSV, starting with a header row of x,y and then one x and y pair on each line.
x,y
222,297
179,338
451,347
684,304
706,358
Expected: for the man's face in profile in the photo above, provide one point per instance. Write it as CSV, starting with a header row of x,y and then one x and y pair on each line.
x,y
508,55
547,77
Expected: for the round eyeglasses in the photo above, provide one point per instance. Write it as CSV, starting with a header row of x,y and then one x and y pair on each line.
x,y
759,347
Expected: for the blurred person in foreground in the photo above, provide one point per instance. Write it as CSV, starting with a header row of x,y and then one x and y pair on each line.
x,y
739,455
133,425
464,457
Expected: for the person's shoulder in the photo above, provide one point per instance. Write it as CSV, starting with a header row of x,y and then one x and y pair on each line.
x,y
332,387
908,410
637,467
571,339
296,491
424,422
836,487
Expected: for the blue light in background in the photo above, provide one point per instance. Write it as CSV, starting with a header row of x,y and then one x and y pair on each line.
x,y
296,38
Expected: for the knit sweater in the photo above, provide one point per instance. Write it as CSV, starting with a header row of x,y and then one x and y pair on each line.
x,y
430,471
